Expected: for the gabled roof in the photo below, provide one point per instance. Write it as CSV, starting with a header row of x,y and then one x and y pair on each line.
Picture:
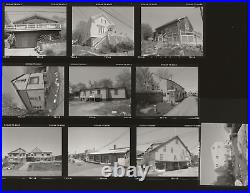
x,y
35,16
174,21
19,150
112,151
94,17
36,150
159,145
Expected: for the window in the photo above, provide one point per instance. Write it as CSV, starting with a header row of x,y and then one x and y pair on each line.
x,y
176,141
175,158
164,149
172,150
116,92
161,157
98,91
34,80
217,157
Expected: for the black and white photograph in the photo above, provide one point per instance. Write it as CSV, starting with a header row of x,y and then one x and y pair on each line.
x,y
31,151
99,91
35,31
168,151
92,148
32,90
224,154
172,31
167,91
102,31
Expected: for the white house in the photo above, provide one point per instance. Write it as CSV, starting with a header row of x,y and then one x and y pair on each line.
x,y
99,94
171,154
98,27
31,90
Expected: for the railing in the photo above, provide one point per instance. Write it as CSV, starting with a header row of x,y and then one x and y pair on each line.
x,y
40,26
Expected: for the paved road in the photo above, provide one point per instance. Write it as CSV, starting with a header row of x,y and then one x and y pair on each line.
x,y
188,107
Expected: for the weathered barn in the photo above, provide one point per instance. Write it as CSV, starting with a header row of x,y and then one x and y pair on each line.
x,y
177,32
172,154
27,31
31,90
120,155
105,93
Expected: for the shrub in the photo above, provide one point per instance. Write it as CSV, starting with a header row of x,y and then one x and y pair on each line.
x,y
125,46
107,48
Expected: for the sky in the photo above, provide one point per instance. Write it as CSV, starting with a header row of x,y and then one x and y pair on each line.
x,y
125,14
149,135
187,77
18,12
85,138
45,138
83,74
157,16
210,133
9,73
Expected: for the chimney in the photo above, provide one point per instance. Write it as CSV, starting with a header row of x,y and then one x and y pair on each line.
x,y
114,146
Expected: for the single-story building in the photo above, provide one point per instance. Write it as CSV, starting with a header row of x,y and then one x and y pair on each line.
x,y
178,31
105,93
28,31
120,155
172,154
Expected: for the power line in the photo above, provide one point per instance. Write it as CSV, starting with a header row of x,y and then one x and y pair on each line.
x,y
114,140
129,26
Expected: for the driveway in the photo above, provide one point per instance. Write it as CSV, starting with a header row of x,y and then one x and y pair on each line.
x,y
188,107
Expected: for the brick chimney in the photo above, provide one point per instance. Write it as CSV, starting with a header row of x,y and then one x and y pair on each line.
x,y
114,146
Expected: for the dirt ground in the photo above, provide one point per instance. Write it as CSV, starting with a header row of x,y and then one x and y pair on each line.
x,y
189,172
84,169
30,173
105,108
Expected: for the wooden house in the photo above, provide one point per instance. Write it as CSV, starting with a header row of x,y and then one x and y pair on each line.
x,y
27,31
105,93
177,32
119,155
31,90
171,154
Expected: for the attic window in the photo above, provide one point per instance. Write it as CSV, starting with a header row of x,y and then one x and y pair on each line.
x,y
116,92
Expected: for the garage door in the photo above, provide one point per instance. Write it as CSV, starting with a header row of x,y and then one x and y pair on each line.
x,y
26,39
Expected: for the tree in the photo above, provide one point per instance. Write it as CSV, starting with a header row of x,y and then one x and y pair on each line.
x,y
146,31
80,33
144,80
124,80
62,21
105,83
163,74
